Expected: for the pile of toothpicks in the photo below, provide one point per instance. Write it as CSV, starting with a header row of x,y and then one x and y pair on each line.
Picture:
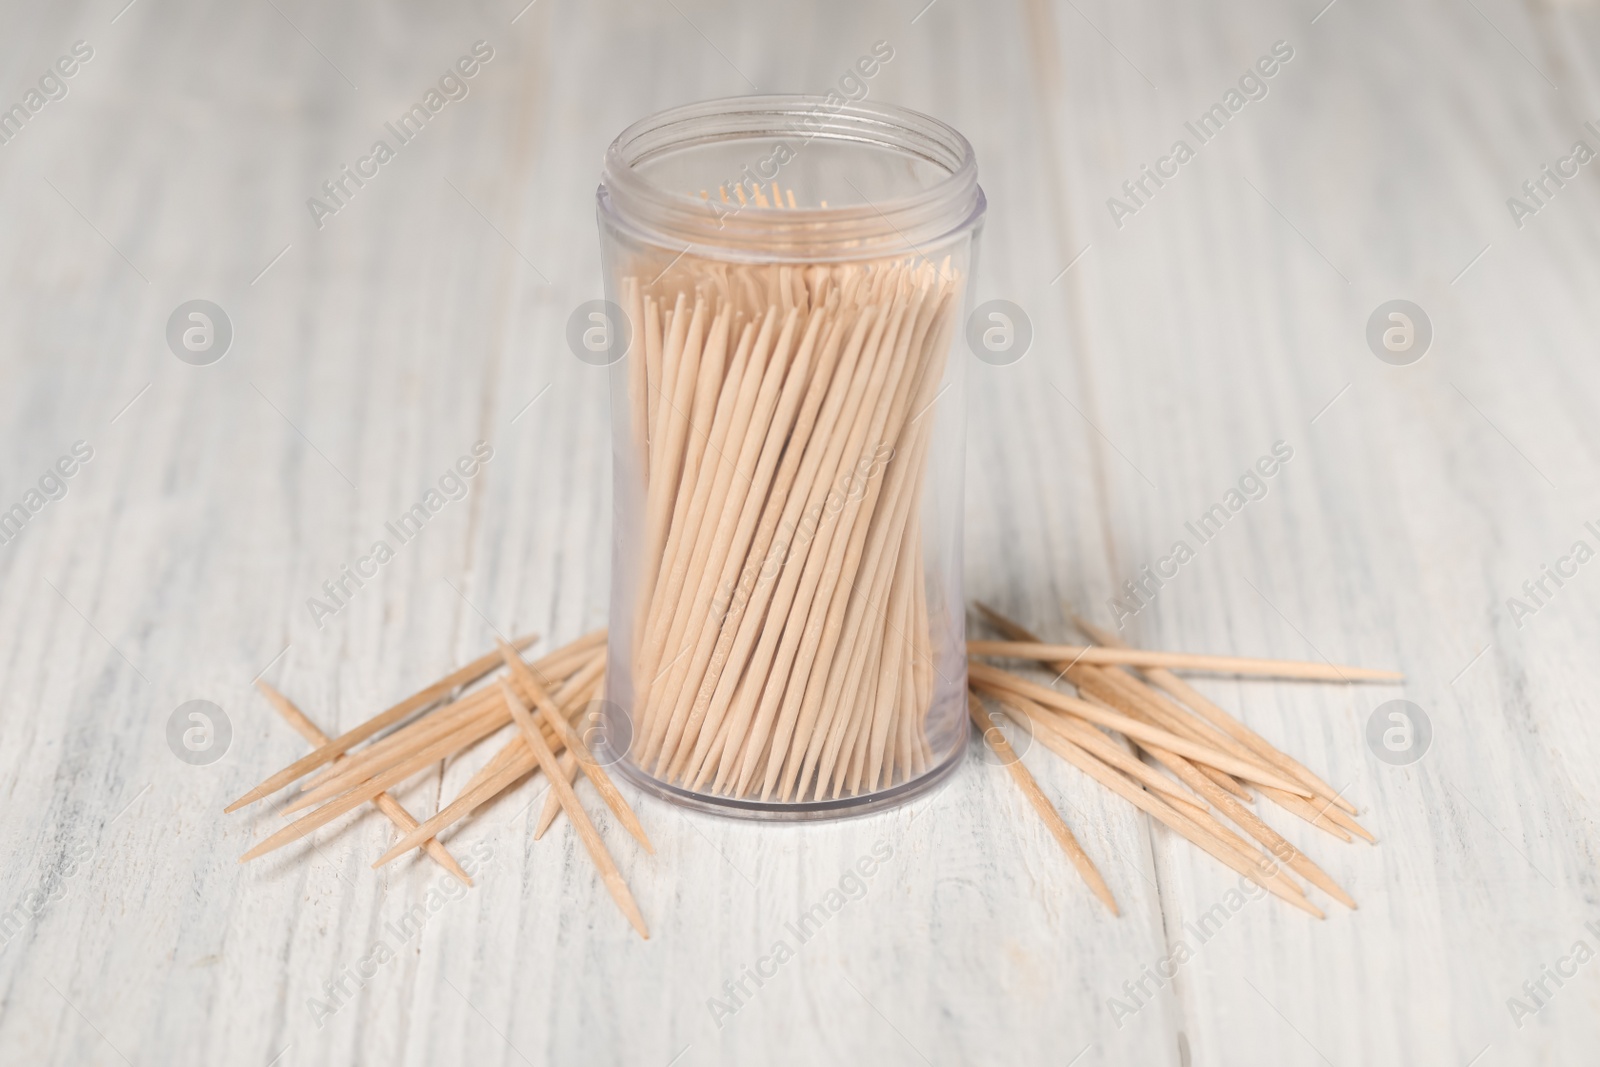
x,y
540,700
1129,703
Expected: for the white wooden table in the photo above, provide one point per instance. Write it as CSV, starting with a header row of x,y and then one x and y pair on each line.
x,y
1227,313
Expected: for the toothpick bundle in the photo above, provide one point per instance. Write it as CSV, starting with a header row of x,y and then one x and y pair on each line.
x,y
782,645
555,688
1177,729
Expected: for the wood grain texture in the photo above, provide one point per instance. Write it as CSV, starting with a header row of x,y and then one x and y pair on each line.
x,y
428,314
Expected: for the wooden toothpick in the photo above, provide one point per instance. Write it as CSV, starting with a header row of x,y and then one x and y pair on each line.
x,y
569,800
552,800
1041,804
1182,661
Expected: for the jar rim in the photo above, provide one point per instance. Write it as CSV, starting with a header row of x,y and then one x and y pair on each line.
x,y
905,223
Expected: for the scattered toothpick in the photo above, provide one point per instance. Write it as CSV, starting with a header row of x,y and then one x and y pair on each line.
x,y
1217,755
1182,661
1041,804
558,684
569,801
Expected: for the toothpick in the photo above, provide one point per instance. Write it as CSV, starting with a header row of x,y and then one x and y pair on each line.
x,y
552,799
844,757
680,365
803,699
652,372
581,654
1041,804
747,584
1316,813
679,362
729,421
885,766
927,314
1125,692
796,587
638,370
569,800
706,406
892,534
1182,661
1197,815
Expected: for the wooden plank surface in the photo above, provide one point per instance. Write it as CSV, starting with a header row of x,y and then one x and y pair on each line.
x,y
1226,314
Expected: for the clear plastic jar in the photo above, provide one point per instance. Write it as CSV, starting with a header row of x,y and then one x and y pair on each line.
x,y
789,421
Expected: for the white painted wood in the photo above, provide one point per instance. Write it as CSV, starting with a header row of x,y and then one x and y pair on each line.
x,y
1222,317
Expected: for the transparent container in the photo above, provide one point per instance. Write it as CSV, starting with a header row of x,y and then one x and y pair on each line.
x,y
787,276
